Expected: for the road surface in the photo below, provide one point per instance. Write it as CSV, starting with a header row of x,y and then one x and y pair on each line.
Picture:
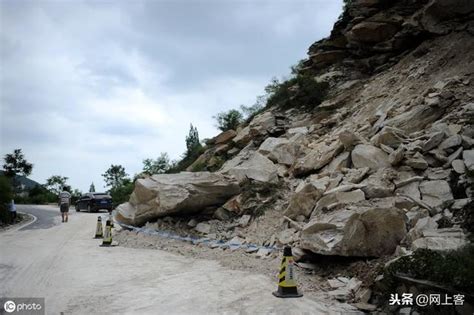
x,y
64,264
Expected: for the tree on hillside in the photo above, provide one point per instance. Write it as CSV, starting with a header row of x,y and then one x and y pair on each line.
x,y
121,193
56,183
92,187
115,176
157,166
192,141
228,120
16,164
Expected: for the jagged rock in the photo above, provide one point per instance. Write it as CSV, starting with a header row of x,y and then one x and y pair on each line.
x,y
460,203
349,139
468,157
251,165
417,118
234,204
453,141
243,137
183,193
297,131
224,137
244,220
458,166
327,57
378,185
436,193
417,162
192,223
338,163
434,140
437,173
303,201
396,156
441,240
370,232
389,136
262,124
369,156
203,227
222,214
287,236
423,224
279,150
355,175
371,32
317,158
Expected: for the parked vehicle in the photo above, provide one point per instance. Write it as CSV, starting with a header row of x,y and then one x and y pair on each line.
x,y
93,202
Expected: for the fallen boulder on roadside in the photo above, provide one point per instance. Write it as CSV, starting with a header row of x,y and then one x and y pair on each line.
x,y
167,194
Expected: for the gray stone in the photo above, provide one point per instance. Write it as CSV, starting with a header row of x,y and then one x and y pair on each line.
x,y
369,156
279,150
453,141
253,165
167,194
417,162
396,156
434,140
203,227
360,232
222,214
436,193
192,223
317,158
441,240
244,220
468,157
378,185
458,166
303,201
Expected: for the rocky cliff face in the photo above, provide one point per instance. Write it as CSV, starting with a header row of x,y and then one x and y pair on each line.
x,y
384,165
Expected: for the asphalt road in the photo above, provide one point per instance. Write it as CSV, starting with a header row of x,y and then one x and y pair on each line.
x,y
64,264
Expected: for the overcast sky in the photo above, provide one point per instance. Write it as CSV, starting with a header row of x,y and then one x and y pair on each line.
x,y
86,84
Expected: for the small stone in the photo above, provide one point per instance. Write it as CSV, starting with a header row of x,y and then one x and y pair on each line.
x,y
192,223
263,252
244,220
458,166
203,227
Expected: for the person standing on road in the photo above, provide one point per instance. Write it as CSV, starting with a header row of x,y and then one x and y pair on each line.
x,y
13,210
64,202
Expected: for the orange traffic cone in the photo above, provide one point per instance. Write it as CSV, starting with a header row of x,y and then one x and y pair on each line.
x,y
98,231
286,278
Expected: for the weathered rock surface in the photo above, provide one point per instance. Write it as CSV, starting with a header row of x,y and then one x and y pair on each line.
x,y
317,158
253,165
370,232
436,193
279,150
369,156
183,193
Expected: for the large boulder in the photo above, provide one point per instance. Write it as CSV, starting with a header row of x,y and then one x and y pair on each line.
x,y
252,165
224,136
371,32
183,193
317,158
279,150
365,155
436,193
363,232
304,199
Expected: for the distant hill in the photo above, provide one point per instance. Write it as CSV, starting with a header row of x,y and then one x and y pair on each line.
x,y
25,182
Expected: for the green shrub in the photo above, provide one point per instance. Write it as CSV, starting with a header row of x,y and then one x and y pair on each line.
x,y
228,120
452,269
121,193
301,91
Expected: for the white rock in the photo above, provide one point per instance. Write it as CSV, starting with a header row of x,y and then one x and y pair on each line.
x,y
183,193
203,227
251,165
244,220
369,156
279,150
